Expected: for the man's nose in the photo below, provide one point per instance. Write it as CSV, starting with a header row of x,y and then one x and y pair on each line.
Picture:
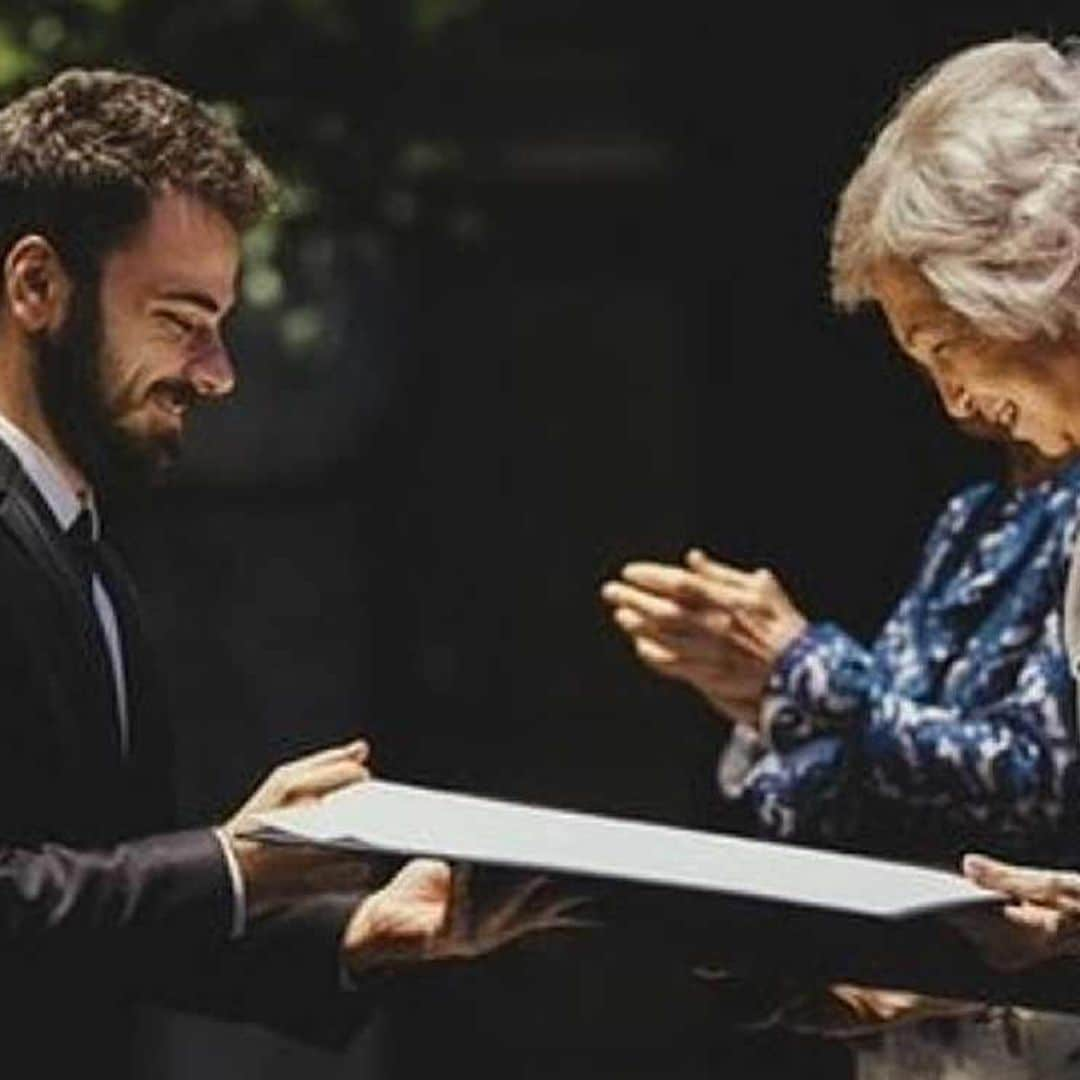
x,y
212,373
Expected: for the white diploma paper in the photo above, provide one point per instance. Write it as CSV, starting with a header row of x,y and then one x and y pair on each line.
x,y
381,816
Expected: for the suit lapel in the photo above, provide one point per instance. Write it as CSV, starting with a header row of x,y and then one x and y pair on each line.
x,y
82,649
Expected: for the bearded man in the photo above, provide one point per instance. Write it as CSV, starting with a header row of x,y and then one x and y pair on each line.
x,y
122,205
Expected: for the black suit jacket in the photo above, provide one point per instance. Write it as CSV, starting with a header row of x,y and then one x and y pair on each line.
x,y
99,903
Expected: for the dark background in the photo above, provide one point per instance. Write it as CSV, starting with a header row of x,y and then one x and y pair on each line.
x,y
548,292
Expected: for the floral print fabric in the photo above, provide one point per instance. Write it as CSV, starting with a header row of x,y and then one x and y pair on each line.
x,y
958,725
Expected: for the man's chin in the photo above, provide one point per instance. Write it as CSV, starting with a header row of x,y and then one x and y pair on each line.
x,y
137,462
154,462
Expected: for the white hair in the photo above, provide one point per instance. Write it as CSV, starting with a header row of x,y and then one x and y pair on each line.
x,y
975,180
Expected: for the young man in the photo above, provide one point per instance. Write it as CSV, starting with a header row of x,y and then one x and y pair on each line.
x,y
122,204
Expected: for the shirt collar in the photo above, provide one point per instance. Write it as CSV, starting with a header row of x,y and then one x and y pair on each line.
x,y
61,498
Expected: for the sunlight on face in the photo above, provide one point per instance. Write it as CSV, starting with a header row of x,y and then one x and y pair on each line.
x,y
1026,391
164,296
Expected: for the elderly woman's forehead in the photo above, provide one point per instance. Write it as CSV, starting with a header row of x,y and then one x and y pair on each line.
x,y
900,286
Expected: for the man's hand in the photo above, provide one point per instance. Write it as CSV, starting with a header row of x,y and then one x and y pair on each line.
x,y
305,779
276,874
426,912
1040,922
403,920
717,628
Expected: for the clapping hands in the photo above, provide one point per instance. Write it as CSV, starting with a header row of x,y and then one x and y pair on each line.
x,y
714,627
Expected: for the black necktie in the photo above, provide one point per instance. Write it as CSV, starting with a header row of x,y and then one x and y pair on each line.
x,y
91,558
84,548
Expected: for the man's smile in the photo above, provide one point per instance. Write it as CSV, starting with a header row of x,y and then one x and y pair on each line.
x,y
173,397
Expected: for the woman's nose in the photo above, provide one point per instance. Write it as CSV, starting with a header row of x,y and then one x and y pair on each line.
x,y
958,402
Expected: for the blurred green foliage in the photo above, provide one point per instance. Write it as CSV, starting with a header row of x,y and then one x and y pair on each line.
x,y
325,89
430,16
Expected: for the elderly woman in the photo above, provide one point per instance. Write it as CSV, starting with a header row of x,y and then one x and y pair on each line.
x,y
963,225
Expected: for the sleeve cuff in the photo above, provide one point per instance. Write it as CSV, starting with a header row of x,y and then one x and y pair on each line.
x,y
236,879
818,685
739,755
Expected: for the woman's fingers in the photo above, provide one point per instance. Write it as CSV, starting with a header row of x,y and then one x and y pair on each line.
x,y
660,609
1054,888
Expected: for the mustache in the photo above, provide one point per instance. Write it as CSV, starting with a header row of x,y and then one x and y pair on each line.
x,y
179,390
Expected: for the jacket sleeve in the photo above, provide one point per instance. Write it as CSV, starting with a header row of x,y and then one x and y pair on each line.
x,y
151,920
285,973
55,899
833,719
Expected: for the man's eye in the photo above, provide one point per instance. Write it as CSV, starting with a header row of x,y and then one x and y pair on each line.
x,y
177,322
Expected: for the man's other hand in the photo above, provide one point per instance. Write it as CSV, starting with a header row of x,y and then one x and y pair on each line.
x,y
428,912
402,921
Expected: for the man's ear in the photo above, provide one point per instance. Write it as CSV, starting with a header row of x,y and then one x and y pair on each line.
x,y
37,288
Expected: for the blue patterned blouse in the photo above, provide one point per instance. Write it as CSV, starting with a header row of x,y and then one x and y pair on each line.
x,y
958,727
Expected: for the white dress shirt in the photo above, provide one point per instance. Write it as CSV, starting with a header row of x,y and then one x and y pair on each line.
x,y
66,504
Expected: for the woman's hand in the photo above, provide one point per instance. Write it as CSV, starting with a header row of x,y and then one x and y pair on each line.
x,y
844,1011
1040,922
717,628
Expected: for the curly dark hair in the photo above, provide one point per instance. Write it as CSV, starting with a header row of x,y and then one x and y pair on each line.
x,y
82,157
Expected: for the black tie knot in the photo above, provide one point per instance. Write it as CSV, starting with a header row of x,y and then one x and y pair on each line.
x,y
83,546
81,530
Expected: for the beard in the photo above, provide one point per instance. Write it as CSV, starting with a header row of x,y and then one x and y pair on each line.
x,y
68,370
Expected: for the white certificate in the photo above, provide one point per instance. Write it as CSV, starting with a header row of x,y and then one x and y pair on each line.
x,y
378,815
